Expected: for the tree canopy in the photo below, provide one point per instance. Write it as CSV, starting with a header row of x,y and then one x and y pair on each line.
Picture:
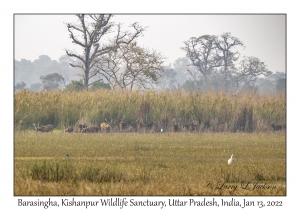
x,y
52,81
89,34
216,58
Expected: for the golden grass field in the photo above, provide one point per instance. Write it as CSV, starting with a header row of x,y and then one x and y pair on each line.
x,y
149,163
245,112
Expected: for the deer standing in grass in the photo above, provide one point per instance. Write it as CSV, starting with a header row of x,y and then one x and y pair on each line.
x,y
194,125
138,126
81,126
122,125
90,129
175,128
277,127
105,126
45,128
69,129
223,127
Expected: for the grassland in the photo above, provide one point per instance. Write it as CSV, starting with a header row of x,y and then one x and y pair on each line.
x,y
149,163
190,162
245,112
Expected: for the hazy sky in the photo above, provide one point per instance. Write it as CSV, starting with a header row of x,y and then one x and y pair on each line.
x,y
263,35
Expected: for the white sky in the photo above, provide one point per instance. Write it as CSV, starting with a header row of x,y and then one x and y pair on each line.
x,y
263,35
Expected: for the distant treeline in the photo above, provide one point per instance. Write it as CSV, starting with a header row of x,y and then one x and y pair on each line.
x,y
194,112
29,73
48,74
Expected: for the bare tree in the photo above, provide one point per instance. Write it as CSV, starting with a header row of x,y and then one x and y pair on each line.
x,y
226,45
89,33
249,71
131,66
202,53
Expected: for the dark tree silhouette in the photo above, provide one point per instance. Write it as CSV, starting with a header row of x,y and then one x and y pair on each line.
x,y
89,33
202,53
52,81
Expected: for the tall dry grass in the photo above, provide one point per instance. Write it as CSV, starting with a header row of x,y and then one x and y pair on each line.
x,y
248,112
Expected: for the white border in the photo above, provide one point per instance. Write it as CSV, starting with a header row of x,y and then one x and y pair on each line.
x,y
8,8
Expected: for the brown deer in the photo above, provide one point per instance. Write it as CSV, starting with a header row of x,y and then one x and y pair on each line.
x,y
139,125
105,126
223,127
50,127
122,125
90,129
45,128
175,128
277,127
185,126
69,129
194,125
81,126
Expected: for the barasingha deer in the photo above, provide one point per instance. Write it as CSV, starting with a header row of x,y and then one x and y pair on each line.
x,y
105,126
122,125
45,128
138,125
90,129
81,126
277,127
223,127
69,129
175,126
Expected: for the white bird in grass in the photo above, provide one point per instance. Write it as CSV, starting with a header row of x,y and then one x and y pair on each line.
x,y
67,156
230,160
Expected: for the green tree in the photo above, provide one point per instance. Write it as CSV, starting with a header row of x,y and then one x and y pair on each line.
x,y
191,85
20,86
52,81
36,87
75,86
100,85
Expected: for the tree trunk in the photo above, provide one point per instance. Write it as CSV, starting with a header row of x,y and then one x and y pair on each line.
x,y
86,79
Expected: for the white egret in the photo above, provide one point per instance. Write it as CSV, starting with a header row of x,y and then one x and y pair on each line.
x,y
230,160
